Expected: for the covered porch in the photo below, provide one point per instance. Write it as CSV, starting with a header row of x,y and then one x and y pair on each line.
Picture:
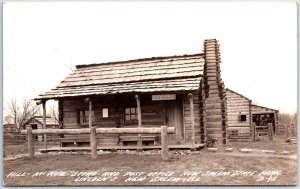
x,y
143,110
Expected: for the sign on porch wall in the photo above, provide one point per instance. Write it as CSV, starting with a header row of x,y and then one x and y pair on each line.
x,y
164,97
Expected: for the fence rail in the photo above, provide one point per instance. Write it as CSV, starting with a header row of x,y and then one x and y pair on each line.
x,y
250,131
266,130
164,130
13,137
102,131
240,132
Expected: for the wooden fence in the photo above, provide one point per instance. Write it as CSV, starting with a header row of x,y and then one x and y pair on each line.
x,y
287,130
250,132
265,130
240,133
93,131
13,137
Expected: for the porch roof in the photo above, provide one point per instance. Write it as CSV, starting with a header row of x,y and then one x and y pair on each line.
x,y
255,109
157,74
184,84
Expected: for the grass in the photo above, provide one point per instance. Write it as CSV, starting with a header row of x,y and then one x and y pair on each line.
x,y
194,168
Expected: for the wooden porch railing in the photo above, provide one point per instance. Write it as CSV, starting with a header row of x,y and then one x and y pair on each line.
x,y
164,130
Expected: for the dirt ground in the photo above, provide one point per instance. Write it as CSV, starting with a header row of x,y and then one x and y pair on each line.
x,y
147,168
21,148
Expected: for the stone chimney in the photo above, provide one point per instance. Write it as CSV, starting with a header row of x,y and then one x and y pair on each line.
x,y
215,122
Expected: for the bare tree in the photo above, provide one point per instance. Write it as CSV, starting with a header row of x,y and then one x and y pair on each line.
x,y
287,118
53,112
20,113
7,120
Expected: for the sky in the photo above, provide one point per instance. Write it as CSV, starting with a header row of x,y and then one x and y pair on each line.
x,y
42,42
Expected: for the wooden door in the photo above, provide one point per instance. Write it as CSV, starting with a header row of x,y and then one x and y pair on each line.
x,y
173,117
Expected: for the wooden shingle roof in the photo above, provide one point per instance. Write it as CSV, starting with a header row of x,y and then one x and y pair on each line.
x,y
172,73
261,109
232,91
254,108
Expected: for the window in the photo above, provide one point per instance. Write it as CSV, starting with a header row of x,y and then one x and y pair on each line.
x,y
34,126
243,118
83,116
130,114
105,112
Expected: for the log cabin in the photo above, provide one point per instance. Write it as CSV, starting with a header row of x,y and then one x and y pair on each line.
x,y
185,92
36,122
245,120
8,127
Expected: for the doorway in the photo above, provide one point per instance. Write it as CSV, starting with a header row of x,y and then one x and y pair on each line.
x,y
174,117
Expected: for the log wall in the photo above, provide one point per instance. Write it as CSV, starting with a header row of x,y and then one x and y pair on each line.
x,y
151,113
237,105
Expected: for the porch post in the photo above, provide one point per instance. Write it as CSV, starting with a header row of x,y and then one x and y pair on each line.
x,y
44,123
88,100
138,105
192,120
90,113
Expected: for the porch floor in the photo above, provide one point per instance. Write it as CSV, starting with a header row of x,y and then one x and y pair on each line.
x,y
87,148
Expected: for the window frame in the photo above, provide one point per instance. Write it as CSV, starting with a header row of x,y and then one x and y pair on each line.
x,y
244,116
85,117
133,115
103,111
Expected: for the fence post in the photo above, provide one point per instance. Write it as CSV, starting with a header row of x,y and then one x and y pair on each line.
x,y
270,131
53,136
93,142
164,144
30,142
288,131
252,132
